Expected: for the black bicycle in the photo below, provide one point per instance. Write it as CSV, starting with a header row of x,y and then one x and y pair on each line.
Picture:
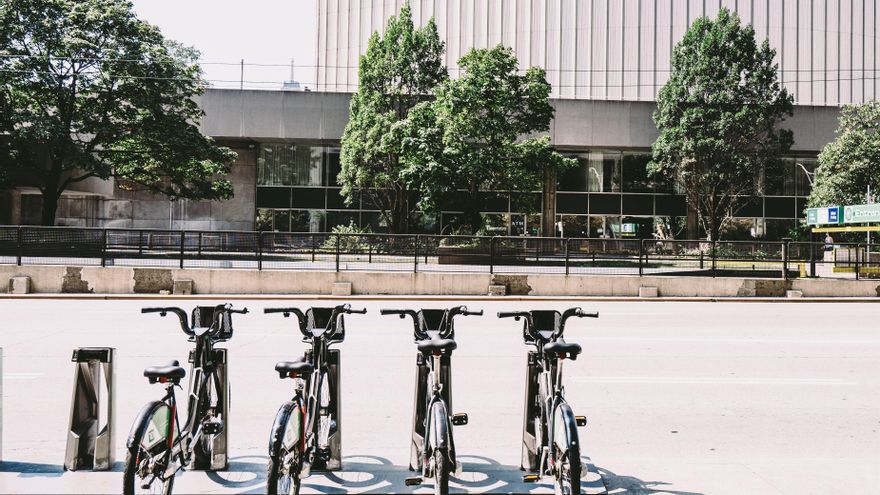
x,y
158,445
550,436
305,434
432,452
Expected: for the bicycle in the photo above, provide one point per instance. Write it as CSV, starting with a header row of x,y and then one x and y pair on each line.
x,y
304,435
432,451
158,446
550,436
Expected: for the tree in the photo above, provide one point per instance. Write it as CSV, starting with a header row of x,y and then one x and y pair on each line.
x,y
718,116
400,69
851,163
472,137
90,90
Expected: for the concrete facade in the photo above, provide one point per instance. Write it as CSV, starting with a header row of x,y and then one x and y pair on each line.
x,y
827,50
578,124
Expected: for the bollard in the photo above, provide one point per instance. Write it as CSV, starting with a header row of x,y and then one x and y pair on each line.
x,y
90,435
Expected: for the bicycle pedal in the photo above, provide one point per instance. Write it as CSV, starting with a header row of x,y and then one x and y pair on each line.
x,y
212,427
322,454
460,419
531,478
413,481
580,420
305,470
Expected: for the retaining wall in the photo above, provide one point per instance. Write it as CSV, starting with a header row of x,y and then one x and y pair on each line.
x,y
119,280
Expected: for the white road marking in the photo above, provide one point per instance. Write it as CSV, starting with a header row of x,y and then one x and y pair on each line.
x,y
709,380
22,376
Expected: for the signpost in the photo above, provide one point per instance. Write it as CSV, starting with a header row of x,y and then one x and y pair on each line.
x,y
825,216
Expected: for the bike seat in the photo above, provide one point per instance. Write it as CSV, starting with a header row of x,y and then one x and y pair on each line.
x,y
287,369
170,372
562,349
437,346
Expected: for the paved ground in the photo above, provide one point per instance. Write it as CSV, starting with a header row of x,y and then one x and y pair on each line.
x,y
682,397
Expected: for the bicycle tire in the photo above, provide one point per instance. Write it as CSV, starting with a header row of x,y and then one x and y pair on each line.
x,y
567,475
131,484
441,472
290,415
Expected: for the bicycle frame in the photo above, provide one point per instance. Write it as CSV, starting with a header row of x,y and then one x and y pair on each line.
x,y
181,443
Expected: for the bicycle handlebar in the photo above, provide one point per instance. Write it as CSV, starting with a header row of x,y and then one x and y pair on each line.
x,y
182,316
513,314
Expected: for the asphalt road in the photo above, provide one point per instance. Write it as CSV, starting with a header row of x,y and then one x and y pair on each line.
x,y
681,397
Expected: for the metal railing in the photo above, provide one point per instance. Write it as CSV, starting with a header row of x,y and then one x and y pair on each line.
x,y
27,245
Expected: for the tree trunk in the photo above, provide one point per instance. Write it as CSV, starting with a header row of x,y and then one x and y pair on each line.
x,y
50,207
50,196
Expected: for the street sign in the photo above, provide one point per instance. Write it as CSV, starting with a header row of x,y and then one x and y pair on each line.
x,y
825,216
861,213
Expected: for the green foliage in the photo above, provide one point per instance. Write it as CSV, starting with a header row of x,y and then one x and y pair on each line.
x,y
471,137
851,163
89,90
717,117
349,240
400,69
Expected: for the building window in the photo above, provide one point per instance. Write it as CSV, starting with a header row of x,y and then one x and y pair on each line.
x,y
604,171
290,165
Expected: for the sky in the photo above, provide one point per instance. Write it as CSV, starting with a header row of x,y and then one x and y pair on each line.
x,y
227,31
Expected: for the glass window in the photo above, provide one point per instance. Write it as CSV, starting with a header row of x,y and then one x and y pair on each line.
x,y
521,224
575,178
275,164
494,224
282,221
802,181
332,165
307,221
635,173
309,165
604,171
574,225
264,219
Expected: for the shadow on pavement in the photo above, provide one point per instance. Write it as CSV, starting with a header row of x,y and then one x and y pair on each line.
x,y
629,485
32,469
375,474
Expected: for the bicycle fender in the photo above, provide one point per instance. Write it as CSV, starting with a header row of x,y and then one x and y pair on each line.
x,y
276,435
141,421
439,437
568,425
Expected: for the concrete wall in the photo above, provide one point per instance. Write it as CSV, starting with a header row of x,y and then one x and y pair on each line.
x,y
119,280
827,50
579,124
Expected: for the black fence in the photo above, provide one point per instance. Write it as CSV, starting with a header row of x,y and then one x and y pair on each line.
x,y
24,245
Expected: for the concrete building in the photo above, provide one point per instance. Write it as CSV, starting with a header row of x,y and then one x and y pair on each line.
x,y
606,60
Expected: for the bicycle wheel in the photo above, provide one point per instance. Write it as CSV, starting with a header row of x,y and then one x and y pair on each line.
x,y
286,450
568,453
208,411
441,472
148,455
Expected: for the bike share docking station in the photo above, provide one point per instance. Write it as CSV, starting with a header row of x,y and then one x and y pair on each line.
x,y
203,316
530,457
90,435
319,318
